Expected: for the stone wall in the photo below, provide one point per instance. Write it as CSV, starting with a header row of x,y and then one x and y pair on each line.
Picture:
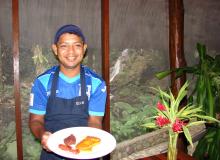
x,y
154,142
126,148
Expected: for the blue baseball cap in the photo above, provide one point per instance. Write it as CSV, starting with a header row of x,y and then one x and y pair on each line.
x,y
70,28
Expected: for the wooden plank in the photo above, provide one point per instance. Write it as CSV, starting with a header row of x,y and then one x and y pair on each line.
x,y
180,156
15,32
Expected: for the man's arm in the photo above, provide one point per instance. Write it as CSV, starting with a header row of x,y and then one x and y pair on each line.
x,y
95,121
36,124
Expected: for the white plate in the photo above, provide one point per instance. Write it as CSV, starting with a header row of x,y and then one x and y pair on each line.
x,y
107,145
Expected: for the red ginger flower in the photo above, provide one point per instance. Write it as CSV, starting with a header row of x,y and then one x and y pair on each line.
x,y
178,125
162,121
161,107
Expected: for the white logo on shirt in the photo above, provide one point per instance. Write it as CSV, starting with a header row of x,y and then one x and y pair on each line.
x,y
103,89
89,90
79,103
31,101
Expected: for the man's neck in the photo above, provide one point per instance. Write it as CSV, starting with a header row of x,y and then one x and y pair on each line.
x,y
70,72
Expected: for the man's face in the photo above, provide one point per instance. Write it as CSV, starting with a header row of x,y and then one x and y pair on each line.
x,y
70,50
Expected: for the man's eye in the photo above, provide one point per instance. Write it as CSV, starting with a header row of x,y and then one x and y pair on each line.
x,y
78,45
63,46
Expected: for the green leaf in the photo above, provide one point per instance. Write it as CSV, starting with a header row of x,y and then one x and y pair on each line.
x,y
182,93
182,70
191,112
207,118
162,113
150,125
147,118
163,94
202,51
172,105
210,98
181,110
187,134
195,123
161,75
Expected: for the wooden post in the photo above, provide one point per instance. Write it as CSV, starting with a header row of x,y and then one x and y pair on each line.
x,y
176,51
105,59
176,33
105,63
15,32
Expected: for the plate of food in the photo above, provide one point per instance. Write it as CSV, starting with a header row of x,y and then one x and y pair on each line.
x,y
81,143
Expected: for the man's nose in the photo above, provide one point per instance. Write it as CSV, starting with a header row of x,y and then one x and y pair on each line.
x,y
71,48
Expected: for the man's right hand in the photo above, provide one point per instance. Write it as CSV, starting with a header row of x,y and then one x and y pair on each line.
x,y
36,124
44,140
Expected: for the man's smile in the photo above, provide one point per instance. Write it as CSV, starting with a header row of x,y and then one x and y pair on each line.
x,y
71,58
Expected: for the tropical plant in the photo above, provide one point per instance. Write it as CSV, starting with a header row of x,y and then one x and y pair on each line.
x,y
206,92
177,121
208,146
207,73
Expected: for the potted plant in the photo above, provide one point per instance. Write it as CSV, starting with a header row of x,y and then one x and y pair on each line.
x,y
177,121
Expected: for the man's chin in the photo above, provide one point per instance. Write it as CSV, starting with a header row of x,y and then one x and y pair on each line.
x,y
71,67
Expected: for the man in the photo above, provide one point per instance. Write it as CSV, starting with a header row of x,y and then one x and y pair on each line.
x,y
67,95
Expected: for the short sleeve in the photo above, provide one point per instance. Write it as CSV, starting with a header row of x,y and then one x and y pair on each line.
x,y
38,98
97,101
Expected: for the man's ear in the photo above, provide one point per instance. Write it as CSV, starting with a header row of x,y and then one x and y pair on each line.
x,y
85,48
54,48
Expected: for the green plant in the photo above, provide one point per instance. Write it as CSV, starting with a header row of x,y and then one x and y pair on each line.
x,y
8,138
8,150
206,92
207,87
177,121
208,147
131,118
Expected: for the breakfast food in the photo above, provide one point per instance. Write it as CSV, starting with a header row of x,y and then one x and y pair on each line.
x,y
68,148
70,140
65,147
84,145
88,143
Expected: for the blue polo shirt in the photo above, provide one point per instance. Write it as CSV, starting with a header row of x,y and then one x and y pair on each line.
x,y
68,88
